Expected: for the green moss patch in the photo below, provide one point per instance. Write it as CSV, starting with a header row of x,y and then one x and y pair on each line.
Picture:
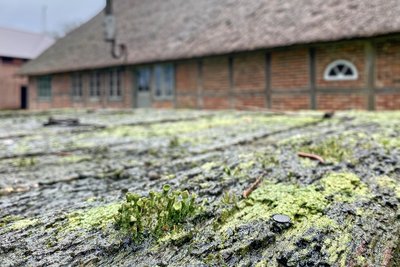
x,y
331,150
157,214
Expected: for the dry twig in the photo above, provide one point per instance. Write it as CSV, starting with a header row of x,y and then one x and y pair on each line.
x,y
247,192
311,156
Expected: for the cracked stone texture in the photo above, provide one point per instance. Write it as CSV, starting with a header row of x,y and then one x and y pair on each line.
x,y
61,186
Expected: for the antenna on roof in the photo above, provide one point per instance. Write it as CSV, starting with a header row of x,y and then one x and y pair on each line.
x,y
44,18
110,32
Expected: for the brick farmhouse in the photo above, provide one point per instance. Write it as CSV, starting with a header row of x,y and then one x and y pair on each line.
x,y
303,54
16,48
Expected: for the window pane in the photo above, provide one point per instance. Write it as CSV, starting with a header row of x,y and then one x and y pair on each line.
x,y
143,80
349,72
80,85
95,84
169,80
92,84
44,87
77,85
332,73
119,83
98,84
158,73
111,83
341,70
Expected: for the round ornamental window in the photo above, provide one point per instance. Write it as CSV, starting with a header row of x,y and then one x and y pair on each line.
x,y
341,70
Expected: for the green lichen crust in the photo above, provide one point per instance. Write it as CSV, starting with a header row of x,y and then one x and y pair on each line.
x,y
309,208
95,218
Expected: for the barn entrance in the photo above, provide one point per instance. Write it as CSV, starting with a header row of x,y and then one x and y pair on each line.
x,y
24,97
143,87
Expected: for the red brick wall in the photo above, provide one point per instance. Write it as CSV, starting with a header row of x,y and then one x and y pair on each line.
x,y
249,72
290,101
388,75
216,102
249,81
341,101
186,84
10,85
388,64
289,72
388,101
249,101
186,101
355,53
163,104
289,69
61,91
186,77
216,75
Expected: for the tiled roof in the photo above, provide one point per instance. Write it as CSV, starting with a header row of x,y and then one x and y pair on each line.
x,y
20,44
160,30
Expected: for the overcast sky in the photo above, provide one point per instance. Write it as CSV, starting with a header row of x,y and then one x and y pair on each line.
x,y
27,14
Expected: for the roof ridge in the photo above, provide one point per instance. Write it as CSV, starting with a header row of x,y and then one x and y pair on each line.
x,y
24,31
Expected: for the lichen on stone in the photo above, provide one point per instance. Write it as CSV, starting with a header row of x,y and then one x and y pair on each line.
x,y
23,224
94,218
390,183
299,202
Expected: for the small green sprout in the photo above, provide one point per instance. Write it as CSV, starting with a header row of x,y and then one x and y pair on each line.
x,y
231,171
228,206
332,150
174,142
156,214
166,188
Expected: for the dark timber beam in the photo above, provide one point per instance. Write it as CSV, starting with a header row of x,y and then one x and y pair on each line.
x,y
231,80
200,91
370,58
312,77
175,99
268,91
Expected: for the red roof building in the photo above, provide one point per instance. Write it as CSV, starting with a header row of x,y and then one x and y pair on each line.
x,y
16,48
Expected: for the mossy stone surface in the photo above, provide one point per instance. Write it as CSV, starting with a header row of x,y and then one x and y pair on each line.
x,y
61,210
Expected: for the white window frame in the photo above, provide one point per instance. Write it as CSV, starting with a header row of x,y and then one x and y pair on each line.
x,y
115,82
44,87
164,81
77,85
341,76
95,85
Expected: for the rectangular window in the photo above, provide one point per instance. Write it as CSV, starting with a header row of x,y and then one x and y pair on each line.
x,y
95,84
77,85
115,83
143,77
44,87
164,76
